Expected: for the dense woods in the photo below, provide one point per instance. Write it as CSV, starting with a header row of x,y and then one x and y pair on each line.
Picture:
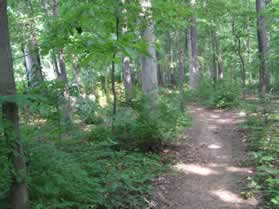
x,y
92,91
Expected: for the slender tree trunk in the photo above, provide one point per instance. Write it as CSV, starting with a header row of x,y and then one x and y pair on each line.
x,y
243,69
18,192
171,61
127,77
30,49
241,58
113,68
32,63
76,72
182,74
113,86
59,64
192,43
213,53
217,56
126,68
149,62
160,73
262,46
45,7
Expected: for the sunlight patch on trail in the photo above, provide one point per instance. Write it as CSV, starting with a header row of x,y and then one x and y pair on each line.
x,y
195,169
214,146
228,196
239,170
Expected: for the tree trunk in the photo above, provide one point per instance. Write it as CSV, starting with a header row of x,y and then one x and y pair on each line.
x,y
76,72
59,66
113,69
182,74
127,77
241,58
192,43
171,61
18,192
242,63
32,63
62,76
126,68
262,46
149,62
217,56
214,65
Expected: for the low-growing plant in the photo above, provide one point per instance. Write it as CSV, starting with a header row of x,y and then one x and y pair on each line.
x,y
264,148
89,175
219,95
144,126
88,110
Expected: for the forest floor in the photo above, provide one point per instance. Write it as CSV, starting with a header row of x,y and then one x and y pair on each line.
x,y
208,170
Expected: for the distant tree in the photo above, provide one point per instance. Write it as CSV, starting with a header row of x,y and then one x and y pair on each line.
x,y
192,43
262,46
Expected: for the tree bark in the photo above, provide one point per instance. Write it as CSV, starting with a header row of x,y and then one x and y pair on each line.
x,y
243,69
32,63
217,56
171,61
59,64
241,58
76,73
149,62
192,43
127,77
182,74
262,46
114,94
18,192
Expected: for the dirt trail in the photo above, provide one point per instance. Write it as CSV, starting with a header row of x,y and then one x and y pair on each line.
x,y
208,171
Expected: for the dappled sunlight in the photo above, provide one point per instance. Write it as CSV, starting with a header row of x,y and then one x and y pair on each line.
x,y
195,169
214,116
212,127
239,170
215,165
38,122
214,146
230,197
225,121
242,114
227,196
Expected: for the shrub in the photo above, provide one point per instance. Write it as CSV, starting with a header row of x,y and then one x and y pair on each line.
x,y
88,111
225,96
144,127
82,176
263,145
219,95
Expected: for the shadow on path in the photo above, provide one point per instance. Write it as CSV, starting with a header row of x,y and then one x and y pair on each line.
x,y
207,171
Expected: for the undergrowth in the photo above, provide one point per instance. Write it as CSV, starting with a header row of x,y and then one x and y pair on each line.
x,y
219,95
263,139
96,166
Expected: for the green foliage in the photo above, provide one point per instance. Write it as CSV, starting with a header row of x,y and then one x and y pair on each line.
x,y
225,96
5,175
264,147
219,95
145,126
90,175
89,111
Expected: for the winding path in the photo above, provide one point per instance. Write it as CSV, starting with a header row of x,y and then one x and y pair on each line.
x,y
208,172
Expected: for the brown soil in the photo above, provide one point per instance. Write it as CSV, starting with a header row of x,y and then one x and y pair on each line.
x,y
207,173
